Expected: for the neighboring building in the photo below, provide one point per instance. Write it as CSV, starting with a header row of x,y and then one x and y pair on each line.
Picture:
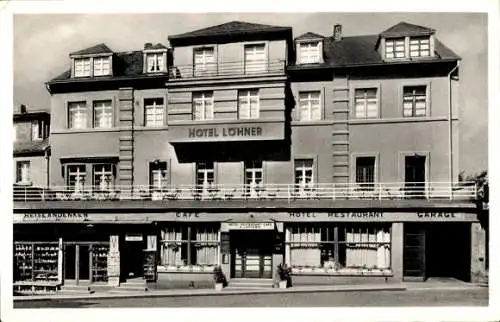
x,y
244,148
31,148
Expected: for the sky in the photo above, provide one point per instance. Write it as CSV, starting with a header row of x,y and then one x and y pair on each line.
x,y
56,35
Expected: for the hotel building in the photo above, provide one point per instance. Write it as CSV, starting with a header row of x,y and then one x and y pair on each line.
x,y
243,147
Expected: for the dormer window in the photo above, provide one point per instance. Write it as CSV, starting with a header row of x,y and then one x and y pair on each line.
x,y
101,66
420,47
155,62
82,67
309,52
395,48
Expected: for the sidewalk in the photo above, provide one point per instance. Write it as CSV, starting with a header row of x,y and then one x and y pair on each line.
x,y
420,286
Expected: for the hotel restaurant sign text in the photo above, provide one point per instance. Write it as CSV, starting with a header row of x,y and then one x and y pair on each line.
x,y
360,216
227,132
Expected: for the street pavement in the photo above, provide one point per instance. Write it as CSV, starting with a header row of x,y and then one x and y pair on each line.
x,y
384,298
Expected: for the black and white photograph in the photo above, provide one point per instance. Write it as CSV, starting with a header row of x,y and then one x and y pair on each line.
x,y
333,159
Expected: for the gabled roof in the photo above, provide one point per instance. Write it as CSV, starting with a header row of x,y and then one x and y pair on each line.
x,y
407,29
33,147
309,35
153,47
234,31
94,50
228,28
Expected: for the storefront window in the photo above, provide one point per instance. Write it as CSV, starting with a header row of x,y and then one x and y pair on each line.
x,y
348,246
184,245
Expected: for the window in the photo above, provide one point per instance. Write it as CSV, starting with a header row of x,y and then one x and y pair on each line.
x,y
248,104
255,58
309,52
103,114
76,177
154,111
204,61
155,62
101,66
158,175
82,67
184,245
309,106
204,176
414,101
365,172
304,175
253,177
77,115
23,173
203,105
103,176
37,128
395,48
420,47
340,246
365,102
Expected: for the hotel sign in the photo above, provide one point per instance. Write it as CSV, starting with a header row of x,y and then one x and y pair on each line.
x,y
227,132
247,226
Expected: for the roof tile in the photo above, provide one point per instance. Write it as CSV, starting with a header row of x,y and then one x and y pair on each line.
x,y
309,35
406,29
97,49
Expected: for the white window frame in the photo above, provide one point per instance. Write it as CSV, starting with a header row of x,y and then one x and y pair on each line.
x,y
82,67
158,176
155,62
78,174
301,165
23,172
105,110
208,64
77,115
252,168
254,65
310,106
202,171
309,52
102,66
155,110
249,98
414,100
205,101
37,130
104,171
417,44
363,114
393,48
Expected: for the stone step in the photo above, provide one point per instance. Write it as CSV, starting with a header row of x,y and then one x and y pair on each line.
x,y
75,292
122,288
250,283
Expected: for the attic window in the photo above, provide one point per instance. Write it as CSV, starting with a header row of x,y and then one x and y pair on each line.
x,y
101,66
155,62
395,48
309,52
82,67
420,47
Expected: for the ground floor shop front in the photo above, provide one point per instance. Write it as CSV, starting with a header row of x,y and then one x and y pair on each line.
x,y
183,248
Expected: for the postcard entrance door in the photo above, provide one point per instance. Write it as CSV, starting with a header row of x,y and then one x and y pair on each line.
x,y
252,254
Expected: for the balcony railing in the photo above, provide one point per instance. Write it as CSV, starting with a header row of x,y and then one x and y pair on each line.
x,y
289,192
238,68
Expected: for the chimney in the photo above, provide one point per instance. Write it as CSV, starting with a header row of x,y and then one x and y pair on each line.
x,y
148,45
22,108
337,32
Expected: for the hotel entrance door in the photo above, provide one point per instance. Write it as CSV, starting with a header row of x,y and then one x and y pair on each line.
x,y
251,254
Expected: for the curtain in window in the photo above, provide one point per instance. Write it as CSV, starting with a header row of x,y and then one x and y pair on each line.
x,y
308,252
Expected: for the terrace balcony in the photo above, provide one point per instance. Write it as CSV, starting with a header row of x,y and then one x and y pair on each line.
x,y
227,69
430,194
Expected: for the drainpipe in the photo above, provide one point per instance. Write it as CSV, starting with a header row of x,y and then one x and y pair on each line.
x,y
450,129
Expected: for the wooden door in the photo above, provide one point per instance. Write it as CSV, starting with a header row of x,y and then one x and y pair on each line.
x,y
414,257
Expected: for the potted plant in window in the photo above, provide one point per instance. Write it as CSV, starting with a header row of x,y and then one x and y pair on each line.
x,y
219,278
284,275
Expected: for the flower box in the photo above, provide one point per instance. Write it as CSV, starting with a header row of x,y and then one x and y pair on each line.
x,y
282,284
219,286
